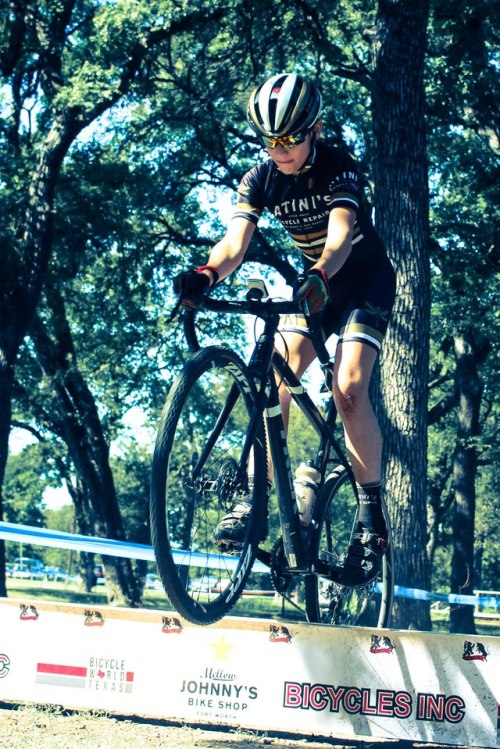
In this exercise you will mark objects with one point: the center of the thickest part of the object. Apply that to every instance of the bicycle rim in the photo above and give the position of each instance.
(326, 602)
(197, 475)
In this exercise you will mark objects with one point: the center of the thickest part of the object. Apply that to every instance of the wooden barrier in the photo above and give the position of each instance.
(265, 675)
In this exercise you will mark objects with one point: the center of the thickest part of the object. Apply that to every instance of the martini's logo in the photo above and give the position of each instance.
(277, 633)
(171, 625)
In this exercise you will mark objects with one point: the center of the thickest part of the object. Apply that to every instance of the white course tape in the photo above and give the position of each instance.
(109, 547)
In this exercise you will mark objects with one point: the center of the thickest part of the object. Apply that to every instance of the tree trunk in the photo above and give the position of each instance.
(401, 213)
(22, 278)
(23, 268)
(74, 417)
(470, 389)
(6, 378)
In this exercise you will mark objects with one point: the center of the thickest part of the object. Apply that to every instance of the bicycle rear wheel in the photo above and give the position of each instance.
(198, 473)
(327, 602)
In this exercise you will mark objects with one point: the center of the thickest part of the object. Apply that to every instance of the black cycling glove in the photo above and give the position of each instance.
(191, 284)
(312, 287)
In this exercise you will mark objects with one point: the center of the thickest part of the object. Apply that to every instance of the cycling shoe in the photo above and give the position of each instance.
(363, 560)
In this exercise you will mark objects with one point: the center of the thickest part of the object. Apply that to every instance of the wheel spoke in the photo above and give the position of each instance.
(199, 472)
(327, 601)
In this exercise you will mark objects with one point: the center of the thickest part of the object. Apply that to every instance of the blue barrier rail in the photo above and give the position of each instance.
(110, 547)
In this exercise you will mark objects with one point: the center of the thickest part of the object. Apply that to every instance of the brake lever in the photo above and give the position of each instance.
(319, 346)
(175, 311)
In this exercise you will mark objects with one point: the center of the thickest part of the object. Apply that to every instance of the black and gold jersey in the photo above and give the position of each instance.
(302, 203)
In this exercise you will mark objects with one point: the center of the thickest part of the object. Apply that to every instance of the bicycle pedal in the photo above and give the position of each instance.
(322, 568)
(229, 548)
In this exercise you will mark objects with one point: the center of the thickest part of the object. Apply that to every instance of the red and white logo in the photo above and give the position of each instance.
(381, 644)
(4, 665)
(474, 651)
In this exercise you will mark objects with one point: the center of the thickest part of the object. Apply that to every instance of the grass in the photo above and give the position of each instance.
(254, 606)
(484, 627)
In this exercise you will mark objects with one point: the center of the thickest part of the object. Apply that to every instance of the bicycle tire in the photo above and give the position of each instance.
(327, 602)
(203, 583)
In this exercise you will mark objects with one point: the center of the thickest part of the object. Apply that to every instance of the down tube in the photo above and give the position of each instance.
(293, 544)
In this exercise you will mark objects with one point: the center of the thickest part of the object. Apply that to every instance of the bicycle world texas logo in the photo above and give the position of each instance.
(99, 673)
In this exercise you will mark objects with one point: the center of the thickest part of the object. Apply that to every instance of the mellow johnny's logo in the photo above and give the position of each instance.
(383, 703)
(218, 694)
(102, 674)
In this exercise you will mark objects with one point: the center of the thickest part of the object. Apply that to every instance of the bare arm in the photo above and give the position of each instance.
(229, 252)
(338, 241)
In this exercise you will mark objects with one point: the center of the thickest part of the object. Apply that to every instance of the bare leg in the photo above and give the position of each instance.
(353, 369)
(299, 353)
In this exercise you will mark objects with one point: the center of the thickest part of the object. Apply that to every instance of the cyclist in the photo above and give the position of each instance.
(313, 190)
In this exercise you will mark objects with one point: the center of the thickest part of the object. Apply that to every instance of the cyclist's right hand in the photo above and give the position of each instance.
(190, 286)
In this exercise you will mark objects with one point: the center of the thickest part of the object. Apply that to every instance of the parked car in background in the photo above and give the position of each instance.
(26, 568)
(206, 584)
(99, 574)
(55, 574)
(153, 582)
(9, 567)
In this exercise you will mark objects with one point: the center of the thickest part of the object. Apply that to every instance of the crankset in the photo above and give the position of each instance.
(280, 577)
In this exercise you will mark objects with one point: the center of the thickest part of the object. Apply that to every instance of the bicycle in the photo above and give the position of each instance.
(220, 417)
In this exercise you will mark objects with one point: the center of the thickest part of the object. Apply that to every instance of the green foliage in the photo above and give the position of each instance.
(140, 194)
(463, 134)
(131, 471)
(28, 475)
(62, 519)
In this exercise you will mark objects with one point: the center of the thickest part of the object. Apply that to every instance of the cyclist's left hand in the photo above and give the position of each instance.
(312, 287)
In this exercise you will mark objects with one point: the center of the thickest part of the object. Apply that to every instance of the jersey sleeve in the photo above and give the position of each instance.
(249, 201)
(345, 190)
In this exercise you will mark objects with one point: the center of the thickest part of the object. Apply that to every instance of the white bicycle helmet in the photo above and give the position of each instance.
(285, 104)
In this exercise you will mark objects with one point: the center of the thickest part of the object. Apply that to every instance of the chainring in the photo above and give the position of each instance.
(280, 578)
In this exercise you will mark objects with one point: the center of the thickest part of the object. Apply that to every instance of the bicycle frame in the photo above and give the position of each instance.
(267, 366)
(266, 359)
(245, 415)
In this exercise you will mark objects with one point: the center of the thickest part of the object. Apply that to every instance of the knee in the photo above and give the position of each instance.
(349, 393)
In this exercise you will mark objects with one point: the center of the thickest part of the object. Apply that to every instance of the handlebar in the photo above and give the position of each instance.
(259, 306)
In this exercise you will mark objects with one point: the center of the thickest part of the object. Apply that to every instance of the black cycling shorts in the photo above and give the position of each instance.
(359, 307)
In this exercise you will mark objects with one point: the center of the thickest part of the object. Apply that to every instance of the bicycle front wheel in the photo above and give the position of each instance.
(327, 602)
(200, 469)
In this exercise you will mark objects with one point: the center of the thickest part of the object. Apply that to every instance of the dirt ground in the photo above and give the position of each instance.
(27, 727)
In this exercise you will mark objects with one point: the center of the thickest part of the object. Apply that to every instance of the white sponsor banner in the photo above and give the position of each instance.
(267, 675)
